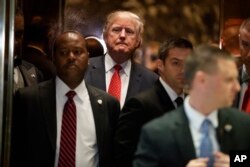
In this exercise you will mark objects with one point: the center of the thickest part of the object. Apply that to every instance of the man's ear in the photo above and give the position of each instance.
(160, 65)
(200, 77)
(139, 42)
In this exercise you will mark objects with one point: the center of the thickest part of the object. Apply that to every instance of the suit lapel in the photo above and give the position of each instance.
(183, 136)
(29, 74)
(164, 98)
(96, 73)
(48, 104)
(224, 131)
(135, 81)
(98, 104)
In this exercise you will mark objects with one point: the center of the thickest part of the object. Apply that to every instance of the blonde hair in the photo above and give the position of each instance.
(110, 18)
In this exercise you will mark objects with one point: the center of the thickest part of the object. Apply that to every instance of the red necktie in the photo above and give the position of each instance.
(115, 83)
(68, 133)
(246, 100)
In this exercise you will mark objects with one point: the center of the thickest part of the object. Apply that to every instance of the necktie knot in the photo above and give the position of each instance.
(205, 127)
(71, 94)
(117, 67)
(179, 101)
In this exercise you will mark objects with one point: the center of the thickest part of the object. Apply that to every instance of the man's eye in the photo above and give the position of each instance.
(245, 44)
(129, 31)
(116, 30)
(78, 52)
(63, 52)
(175, 63)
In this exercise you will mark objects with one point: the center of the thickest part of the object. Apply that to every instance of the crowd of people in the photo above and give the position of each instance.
(190, 109)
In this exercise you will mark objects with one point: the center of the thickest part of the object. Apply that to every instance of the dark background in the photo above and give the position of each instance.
(199, 21)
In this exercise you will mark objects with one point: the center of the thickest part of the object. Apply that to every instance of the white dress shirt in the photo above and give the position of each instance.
(172, 94)
(124, 75)
(86, 144)
(195, 119)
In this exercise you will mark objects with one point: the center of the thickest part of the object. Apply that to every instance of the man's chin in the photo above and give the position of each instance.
(122, 50)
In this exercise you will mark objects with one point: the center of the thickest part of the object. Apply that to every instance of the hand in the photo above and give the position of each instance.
(199, 162)
(221, 160)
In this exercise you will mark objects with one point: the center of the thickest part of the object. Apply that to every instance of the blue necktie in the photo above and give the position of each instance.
(206, 147)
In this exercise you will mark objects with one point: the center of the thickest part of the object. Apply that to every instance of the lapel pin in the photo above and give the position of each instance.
(33, 76)
(99, 101)
(228, 127)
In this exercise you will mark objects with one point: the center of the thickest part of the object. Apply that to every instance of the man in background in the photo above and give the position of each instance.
(115, 72)
(25, 74)
(243, 101)
(36, 48)
(166, 95)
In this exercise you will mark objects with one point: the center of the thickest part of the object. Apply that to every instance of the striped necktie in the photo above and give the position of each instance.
(68, 133)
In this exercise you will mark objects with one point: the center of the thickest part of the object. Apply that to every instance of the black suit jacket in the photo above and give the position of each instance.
(34, 125)
(167, 141)
(140, 77)
(136, 112)
(31, 75)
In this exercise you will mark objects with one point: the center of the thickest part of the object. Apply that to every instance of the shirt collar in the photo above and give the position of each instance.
(172, 94)
(110, 63)
(80, 90)
(196, 118)
(244, 76)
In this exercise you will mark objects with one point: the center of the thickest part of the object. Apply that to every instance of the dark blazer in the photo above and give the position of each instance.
(236, 102)
(31, 75)
(167, 141)
(137, 111)
(140, 77)
(35, 126)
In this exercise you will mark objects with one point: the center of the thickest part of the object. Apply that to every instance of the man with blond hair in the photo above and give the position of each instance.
(123, 35)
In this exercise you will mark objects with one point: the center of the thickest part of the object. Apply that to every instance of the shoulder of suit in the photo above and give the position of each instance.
(235, 114)
(146, 95)
(166, 121)
(144, 71)
(96, 60)
(94, 89)
(45, 84)
(27, 64)
(97, 92)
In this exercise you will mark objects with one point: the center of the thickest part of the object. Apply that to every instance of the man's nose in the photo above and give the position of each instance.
(248, 52)
(237, 86)
(123, 33)
(71, 56)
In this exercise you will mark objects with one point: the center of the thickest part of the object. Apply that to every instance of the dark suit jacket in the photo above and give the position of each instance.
(140, 77)
(136, 112)
(34, 125)
(31, 75)
(167, 141)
